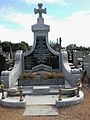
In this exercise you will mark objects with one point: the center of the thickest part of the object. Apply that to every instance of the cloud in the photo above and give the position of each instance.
(4, 10)
(25, 20)
(9, 15)
(44, 1)
(15, 36)
(74, 29)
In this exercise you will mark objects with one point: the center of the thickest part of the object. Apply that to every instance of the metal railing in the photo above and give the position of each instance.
(3, 90)
(61, 90)
(76, 89)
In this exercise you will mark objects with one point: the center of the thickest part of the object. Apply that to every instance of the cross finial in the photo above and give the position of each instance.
(40, 10)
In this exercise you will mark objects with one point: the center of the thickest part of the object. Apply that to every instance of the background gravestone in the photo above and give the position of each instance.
(2, 64)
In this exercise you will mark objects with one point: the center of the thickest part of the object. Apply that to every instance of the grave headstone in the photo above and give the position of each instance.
(86, 63)
(2, 63)
(41, 53)
(41, 56)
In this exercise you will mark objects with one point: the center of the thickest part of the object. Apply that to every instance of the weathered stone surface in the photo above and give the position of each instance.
(40, 90)
(41, 82)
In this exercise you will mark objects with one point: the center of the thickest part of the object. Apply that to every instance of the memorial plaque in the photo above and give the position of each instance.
(41, 55)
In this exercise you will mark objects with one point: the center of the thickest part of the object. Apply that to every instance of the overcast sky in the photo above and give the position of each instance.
(68, 19)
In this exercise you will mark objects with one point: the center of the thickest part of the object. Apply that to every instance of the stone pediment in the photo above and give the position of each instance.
(41, 67)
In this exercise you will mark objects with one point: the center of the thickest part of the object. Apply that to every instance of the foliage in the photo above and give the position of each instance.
(27, 76)
(5, 46)
(52, 75)
(8, 46)
(43, 75)
(54, 45)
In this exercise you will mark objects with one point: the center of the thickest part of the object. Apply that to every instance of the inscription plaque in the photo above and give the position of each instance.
(41, 55)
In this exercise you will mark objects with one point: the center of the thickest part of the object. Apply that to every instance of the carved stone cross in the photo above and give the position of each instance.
(40, 10)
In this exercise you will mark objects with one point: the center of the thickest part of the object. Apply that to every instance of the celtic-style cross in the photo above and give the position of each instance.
(40, 10)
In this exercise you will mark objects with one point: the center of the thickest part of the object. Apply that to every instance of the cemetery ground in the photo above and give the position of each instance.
(77, 112)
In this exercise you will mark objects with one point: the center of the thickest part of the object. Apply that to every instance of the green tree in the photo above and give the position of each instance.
(6, 46)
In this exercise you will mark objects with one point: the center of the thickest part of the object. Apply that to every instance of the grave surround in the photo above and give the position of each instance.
(34, 60)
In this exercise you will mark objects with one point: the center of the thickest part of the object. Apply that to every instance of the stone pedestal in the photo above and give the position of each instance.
(40, 90)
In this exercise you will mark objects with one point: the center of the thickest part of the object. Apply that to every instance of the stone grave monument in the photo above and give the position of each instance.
(86, 63)
(41, 56)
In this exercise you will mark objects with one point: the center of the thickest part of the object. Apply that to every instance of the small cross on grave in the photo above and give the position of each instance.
(40, 10)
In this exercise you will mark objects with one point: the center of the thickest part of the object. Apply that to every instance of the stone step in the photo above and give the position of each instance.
(41, 100)
(40, 110)
(40, 105)
(39, 90)
(35, 90)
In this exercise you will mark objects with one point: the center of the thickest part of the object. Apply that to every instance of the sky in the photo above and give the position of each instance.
(68, 19)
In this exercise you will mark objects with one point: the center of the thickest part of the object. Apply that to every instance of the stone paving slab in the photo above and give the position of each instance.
(40, 110)
(40, 105)
(41, 100)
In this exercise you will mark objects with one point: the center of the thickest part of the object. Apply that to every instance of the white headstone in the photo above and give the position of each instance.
(87, 64)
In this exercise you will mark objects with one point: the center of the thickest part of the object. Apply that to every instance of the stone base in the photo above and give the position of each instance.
(70, 101)
(12, 102)
(40, 82)
(40, 90)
